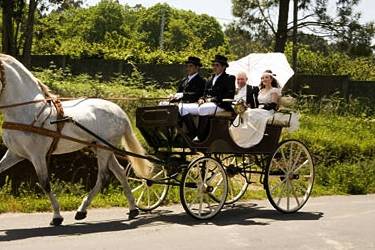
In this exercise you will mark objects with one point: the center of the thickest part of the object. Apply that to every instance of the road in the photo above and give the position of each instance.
(332, 222)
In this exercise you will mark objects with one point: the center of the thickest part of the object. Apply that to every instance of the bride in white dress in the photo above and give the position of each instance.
(252, 123)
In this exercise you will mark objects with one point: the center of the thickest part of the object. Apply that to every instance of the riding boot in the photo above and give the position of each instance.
(189, 122)
(203, 127)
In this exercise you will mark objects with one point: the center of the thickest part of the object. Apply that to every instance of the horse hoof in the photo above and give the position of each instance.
(133, 213)
(80, 215)
(56, 221)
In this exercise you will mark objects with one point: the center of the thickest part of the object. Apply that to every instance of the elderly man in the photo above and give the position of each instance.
(246, 92)
(221, 86)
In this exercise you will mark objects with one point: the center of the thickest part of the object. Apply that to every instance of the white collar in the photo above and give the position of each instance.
(191, 76)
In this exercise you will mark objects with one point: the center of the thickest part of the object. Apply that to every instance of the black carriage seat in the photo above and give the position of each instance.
(160, 126)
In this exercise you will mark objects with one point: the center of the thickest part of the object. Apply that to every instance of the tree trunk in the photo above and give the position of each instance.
(26, 55)
(7, 38)
(282, 26)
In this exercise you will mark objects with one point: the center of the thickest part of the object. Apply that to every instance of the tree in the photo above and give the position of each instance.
(18, 18)
(244, 42)
(116, 31)
(11, 19)
(258, 14)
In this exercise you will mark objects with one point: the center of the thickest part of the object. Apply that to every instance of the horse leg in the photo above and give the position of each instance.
(103, 158)
(9, 159)
(40, 165)
(119, 172)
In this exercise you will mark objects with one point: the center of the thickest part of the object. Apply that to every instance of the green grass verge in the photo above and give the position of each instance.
(343, 146)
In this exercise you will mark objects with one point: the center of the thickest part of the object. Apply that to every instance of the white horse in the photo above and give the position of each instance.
(106, 119)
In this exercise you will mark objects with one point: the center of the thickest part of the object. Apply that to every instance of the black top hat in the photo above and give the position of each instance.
(194, 60)
(221, 59)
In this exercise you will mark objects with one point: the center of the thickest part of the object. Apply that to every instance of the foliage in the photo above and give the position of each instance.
(340, 140)
(352, 178)
(342, 144)
(257, 18)
(332, 63)
(114, 31)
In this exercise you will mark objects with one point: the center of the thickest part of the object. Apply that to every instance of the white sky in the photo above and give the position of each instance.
(221, 9)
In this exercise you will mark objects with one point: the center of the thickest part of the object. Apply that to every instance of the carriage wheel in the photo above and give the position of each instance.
(203, 188)
(147, 194)
(289, 176)
(237, 177)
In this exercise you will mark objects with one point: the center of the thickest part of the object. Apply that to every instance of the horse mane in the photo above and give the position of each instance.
(2, 71)
(45, 89)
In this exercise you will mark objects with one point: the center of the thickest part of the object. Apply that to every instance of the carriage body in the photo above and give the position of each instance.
(162, 129)
(285, 168)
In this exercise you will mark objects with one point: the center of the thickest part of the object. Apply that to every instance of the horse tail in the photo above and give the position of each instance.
(142, 167)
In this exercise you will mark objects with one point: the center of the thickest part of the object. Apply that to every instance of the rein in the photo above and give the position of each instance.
(74, 98)
(24, 103)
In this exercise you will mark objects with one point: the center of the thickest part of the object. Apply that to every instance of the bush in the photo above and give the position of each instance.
(356, 178)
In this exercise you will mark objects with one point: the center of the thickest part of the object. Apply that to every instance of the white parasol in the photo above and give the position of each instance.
(256, 63)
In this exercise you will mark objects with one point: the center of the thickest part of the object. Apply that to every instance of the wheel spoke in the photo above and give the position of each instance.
(281, 192)
(140, 197)
(294, 194)
(193, 202)
(297, 159)
(288, 196)
(230, 187)
(158, 174)
(290, 157)
(134, 179)
(148, 197)
(156, 194)
(200, 202)
(278, 166)
(135, 189)
(284, 159)
(300, 166)
(279, 184)
(217, 185)
(208, 203)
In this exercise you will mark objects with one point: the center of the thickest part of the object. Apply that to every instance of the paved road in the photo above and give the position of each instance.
(335, 222)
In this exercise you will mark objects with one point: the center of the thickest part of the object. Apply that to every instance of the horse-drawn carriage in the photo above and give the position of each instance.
(217, 171)
(210, 174)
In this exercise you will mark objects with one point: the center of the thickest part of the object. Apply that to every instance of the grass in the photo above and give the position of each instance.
(340, 137)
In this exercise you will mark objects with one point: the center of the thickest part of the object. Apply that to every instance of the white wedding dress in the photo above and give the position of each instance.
(248, 130)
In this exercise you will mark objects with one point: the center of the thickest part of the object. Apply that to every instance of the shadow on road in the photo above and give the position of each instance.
(244, 214)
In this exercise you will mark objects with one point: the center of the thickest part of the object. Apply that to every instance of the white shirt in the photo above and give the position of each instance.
(241, 93)
(215, 78)
(192, 76)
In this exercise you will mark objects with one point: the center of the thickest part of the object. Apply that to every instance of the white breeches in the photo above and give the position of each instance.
(208, 108)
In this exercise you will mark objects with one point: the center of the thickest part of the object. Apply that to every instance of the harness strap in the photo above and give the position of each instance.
(59, 126)
(54, 134)
(48, 133)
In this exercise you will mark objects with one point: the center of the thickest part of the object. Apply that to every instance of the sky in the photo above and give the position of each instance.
(221, 9)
